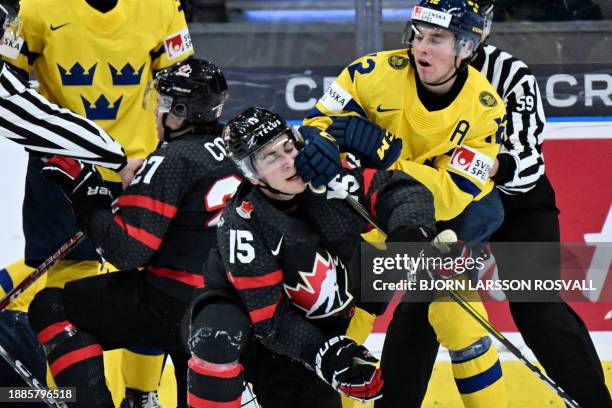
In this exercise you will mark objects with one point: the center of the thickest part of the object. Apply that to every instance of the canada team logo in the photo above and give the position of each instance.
(322, 291)
(245, 210)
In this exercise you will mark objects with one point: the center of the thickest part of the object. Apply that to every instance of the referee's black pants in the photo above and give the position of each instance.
(552, 330)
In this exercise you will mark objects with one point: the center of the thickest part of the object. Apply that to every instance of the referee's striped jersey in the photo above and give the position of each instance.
(40, 126)
(521, 162)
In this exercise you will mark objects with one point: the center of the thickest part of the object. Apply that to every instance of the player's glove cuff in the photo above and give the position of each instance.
(378, 147)
(82, 184)
(349, 368)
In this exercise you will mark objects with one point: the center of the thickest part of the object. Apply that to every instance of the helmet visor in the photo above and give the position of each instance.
(272, 156)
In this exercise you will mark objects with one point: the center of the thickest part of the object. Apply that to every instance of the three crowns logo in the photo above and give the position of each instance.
(126, 75)
(76, 75)
(100, 109)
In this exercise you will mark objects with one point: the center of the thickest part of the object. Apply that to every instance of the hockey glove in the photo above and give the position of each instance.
(319, 160)
(82, 184)
(378, 147)
(349, 368)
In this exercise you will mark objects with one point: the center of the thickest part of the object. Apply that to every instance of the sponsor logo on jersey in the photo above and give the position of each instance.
(245, 210)
(472, 163)
(323, 291)
(178, 44)
(380, 109)
(431, 16)
(10, 47)
(398, 62)
(487, 99)
(335, 98)
(57, 27)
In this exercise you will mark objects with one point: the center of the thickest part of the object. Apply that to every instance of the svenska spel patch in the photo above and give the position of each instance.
(431, 16)
(10, 48)
(472, 163)
(178, 44)
(335, 98)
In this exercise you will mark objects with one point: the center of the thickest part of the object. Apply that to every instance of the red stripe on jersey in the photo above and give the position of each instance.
(368, 176)
(215, 370)
(151, 204)
(197, 402)
(138, 234)
(74, 357)
(255, 282)
(53, 330)
(264, 313)
(373, 204)
(191, 279)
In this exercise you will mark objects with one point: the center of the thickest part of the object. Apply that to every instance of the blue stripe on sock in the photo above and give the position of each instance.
(6, 282)
(479, 381)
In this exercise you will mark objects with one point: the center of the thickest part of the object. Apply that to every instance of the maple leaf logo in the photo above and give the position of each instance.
(323, 290)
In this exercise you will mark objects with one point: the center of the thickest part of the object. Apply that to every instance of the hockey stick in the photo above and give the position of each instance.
(27, 376)
(42, 269)
(465, 305)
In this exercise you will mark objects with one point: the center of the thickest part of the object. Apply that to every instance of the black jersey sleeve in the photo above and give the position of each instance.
(257, 277)
(131, 233)
(394, 198)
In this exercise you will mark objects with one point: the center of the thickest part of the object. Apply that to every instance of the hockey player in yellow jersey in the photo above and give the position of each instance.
(425, 111)
(95, 57)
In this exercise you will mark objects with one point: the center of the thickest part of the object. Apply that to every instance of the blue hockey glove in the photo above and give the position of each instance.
(378, 147)
(319, 160)
(82, 184)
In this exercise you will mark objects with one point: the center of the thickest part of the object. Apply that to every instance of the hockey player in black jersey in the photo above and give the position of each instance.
(280, 293)
(164, 222)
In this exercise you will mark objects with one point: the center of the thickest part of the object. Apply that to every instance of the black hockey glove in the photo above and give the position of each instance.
(376, 146)
(319, 160)
(349, 368)
(82, 184)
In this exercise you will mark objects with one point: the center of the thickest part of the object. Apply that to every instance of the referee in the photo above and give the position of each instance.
(552, 330)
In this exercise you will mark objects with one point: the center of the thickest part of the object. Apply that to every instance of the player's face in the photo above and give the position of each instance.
(275, 164)
(434, 53)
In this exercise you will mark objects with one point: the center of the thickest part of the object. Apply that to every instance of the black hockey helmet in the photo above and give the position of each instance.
(193, 89)
(10, 22)
(247, 133)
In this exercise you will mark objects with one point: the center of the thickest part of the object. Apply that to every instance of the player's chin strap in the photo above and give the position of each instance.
(271, 189)
(169, 133)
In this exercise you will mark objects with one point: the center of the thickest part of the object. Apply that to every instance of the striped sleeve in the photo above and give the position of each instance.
(30, 120)
(131, 234)
(521, 160)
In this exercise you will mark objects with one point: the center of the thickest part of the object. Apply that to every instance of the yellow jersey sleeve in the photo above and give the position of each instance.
(176, 45)
(341, 97)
